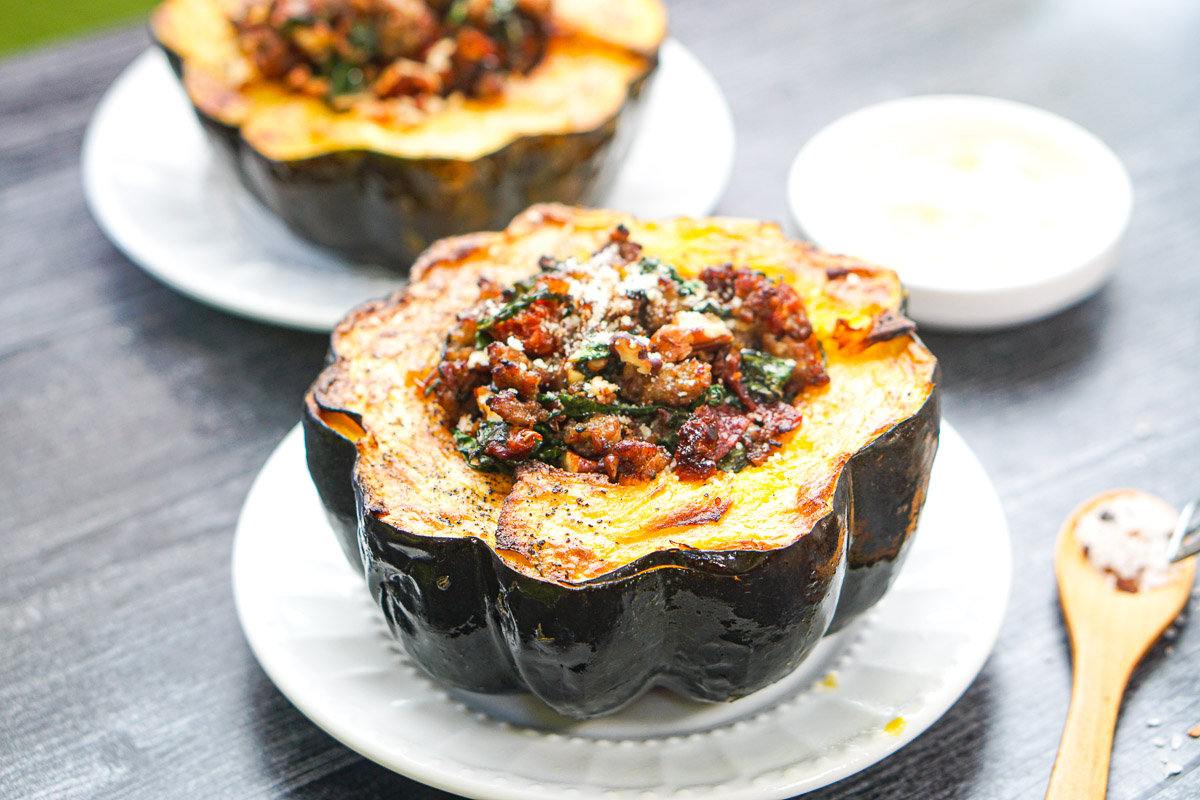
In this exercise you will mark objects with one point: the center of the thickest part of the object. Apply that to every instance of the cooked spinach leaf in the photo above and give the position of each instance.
(298, 21)
(686, 287)
(648, 265)
(524, 285)
(735, 460)
(594, 346)
(766, 375)
(364, 38)
(502, 8)
(473, 448)
(576, 407)
(551, 455)
(457, 14)
(718, 395)
(713, 306)
(345, 77)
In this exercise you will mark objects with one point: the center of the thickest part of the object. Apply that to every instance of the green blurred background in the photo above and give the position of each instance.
(29, 23)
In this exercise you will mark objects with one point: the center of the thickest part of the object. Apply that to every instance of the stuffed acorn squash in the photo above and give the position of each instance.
(374, 127)
(588, 454)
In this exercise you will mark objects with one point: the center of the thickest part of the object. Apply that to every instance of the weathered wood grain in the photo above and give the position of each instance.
(134, 419)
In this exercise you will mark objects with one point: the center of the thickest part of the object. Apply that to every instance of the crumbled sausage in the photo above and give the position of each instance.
(635, 460)
(636, 352)
(518, 445)
(688, 331)
(384, 49)
(768, 423)
(679, 384)
(531, 327)
(453, 385)
(727, 367)
(511, 369)
(515, 411)
(621, 363)
(593, 437)
(810, 361)
(657, 308)
(705, 438)
(404, 28)
(627, 250)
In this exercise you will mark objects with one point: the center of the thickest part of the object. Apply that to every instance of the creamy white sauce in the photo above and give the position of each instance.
(964, 203)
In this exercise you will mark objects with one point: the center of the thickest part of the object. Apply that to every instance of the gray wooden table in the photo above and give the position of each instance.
(133, 420)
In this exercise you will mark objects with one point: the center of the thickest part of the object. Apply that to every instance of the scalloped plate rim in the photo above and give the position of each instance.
(440, 770)
(248, 240)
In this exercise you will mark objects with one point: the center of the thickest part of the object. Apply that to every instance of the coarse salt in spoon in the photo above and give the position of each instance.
(1111, 627)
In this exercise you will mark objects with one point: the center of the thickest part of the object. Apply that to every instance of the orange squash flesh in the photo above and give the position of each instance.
(573, 529)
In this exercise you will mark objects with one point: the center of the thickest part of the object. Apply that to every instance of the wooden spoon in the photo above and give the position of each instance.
(1110, 631)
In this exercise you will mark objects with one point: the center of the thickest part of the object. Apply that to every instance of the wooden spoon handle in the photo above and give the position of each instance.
(1081, 769)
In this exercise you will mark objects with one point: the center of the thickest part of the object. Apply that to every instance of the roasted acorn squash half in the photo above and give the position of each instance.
(584, 591)
(383, 191)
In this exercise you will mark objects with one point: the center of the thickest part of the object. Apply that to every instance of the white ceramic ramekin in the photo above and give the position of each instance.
(994, 213)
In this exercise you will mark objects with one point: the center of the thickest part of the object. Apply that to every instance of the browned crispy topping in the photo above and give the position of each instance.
(699, 513)
(884, 326)
(889, 325)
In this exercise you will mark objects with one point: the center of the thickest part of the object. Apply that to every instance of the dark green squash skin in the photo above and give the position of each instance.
(374, 207)
(890, 479)
(711, 626)
(438, 596)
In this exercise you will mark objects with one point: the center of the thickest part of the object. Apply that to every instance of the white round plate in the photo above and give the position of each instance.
(994, 213)
(157, 193)
(860, 696)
